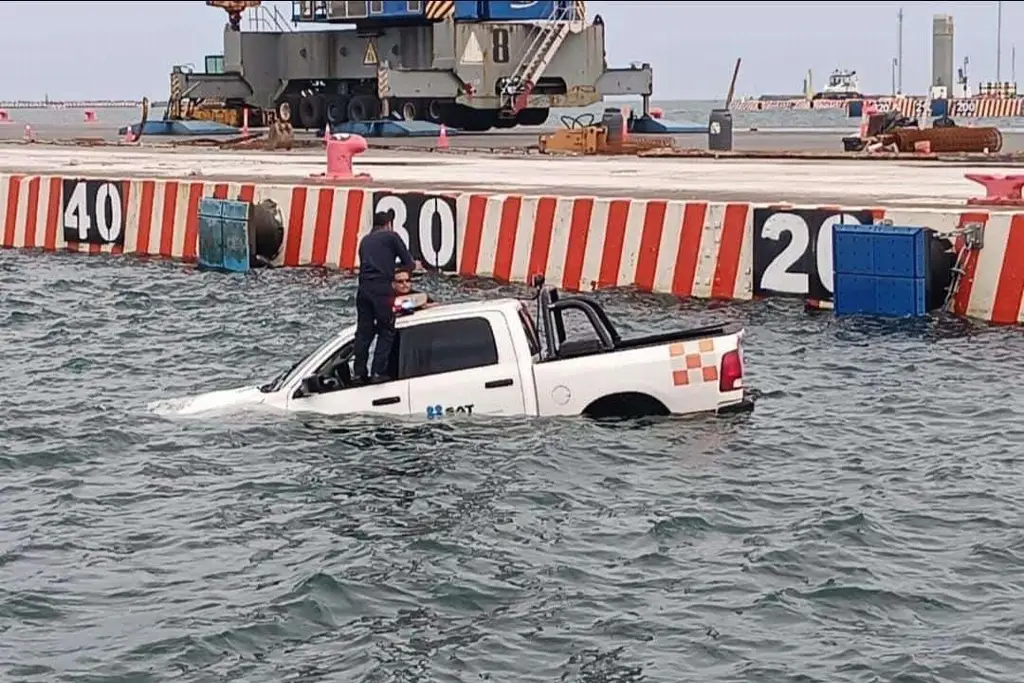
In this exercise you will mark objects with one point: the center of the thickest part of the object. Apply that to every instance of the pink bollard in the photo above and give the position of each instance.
(657, 112)
(4, 116)
(90, 116)
(340, 150)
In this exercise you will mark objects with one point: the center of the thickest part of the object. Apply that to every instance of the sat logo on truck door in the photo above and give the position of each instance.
(437, 411)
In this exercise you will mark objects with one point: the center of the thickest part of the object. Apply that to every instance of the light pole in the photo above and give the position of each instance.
(899, 50)
(999, 42)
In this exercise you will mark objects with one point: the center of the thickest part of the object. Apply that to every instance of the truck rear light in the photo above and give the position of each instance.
(731, 376)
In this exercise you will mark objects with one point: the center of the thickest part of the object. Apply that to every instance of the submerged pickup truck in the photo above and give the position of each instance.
(494, 358)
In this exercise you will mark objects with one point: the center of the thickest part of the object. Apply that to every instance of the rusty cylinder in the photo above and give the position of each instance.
(949, 140)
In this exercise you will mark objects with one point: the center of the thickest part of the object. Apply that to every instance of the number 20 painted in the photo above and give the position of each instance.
(778, 276)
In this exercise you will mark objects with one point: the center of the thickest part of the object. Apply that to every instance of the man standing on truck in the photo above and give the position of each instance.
(375, 313)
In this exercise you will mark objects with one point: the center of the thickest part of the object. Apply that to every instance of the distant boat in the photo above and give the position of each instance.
(842, 85)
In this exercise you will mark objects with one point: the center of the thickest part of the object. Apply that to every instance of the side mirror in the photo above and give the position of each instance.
(310, 385)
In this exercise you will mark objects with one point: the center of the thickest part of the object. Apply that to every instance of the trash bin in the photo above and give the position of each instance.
(720, 130)
(612, 120)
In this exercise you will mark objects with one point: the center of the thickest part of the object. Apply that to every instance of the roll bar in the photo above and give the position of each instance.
(550, 309)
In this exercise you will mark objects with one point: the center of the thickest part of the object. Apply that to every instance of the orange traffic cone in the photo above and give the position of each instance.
(442, 139)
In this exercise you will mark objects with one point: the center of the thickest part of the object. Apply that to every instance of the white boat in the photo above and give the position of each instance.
(842, 85)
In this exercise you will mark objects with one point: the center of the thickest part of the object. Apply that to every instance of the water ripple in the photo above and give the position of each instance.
(864, 524)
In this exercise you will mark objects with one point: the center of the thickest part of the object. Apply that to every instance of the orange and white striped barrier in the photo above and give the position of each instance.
(685, 248)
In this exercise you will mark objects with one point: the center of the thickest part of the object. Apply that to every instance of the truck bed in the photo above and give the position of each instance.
(589, 347)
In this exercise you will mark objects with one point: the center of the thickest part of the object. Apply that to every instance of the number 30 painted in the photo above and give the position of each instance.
(777, 276)
(432, 256)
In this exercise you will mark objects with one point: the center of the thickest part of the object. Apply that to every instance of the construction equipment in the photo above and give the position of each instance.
(469, 65)
(543, 46)
(583, 135)
(893, 132)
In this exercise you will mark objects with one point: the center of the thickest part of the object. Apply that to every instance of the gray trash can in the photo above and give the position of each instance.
(720, 130)
(612, 120)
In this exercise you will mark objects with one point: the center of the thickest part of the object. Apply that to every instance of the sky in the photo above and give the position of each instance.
(111, 50)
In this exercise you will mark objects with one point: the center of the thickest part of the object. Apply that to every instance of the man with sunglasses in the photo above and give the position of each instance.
(408, 299)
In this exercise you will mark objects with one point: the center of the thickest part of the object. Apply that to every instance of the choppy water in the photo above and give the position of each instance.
(864, 524)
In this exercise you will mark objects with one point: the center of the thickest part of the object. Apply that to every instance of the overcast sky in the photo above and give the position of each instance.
(86, 49)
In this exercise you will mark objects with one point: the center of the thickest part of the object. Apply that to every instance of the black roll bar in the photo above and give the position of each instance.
(550, 309)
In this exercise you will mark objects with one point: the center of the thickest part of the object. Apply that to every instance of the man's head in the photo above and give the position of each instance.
(382, 220)
(402, 284)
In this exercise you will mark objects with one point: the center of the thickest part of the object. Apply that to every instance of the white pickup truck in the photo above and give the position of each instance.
(493, 358)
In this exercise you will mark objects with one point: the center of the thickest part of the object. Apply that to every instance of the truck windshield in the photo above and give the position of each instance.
(286, 376)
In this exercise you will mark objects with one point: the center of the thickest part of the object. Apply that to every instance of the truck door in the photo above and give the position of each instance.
(390, 398)
(461, 366)
(338, 397)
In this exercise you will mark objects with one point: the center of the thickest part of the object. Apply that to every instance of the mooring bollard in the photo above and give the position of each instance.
(340, 150)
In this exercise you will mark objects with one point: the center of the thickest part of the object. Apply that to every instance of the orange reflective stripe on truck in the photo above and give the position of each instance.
(693, 362)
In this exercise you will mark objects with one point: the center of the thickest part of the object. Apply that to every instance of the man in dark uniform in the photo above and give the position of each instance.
(375, 296)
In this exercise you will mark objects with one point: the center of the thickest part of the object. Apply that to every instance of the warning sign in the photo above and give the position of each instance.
(473, 54)
(370, 56)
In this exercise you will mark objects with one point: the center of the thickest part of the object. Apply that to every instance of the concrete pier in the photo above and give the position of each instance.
(852, 183)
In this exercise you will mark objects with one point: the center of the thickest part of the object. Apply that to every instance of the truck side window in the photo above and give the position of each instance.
(531, 332)
(446, 346)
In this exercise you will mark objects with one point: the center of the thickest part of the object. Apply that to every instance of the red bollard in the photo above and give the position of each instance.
(657, 112)
(999, 190)
(90, 116)
(340, 150)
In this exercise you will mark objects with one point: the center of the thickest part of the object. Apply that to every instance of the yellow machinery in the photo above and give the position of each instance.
(583, 135)
(181, 107)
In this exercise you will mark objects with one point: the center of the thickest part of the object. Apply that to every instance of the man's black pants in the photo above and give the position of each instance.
(374, 315)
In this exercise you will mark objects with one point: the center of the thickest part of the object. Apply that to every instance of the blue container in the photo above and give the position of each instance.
(940, 108)
(224, 235)
(880, 270)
